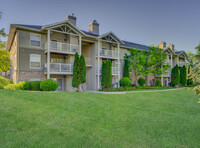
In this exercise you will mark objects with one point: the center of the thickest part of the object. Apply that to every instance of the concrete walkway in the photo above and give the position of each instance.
(125, 92)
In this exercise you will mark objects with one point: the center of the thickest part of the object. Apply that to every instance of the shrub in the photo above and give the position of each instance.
(141, 81)
(4, 81)
(158, 83)
(22, 86)
(1, 86)
(49, 85)
(106, 74)
(125, 82)
(35, 85)
(175, 76)
(10, 86)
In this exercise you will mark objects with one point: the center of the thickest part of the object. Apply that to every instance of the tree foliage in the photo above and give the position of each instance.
(82, 69)
(4, 60)
(183, 75)
(126, 68)
(76, 72)
(106, 74)
(175, 76)
(158, 59)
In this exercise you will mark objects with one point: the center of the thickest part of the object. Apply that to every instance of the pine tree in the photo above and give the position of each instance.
(76, 72)
(106, 74)
(109, 73)
(183, 75)
(103, 74)
(82, 70)
(175, 76)
(126, 68)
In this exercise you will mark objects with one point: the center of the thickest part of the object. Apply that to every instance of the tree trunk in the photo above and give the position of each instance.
(6, 74)
(146, 77)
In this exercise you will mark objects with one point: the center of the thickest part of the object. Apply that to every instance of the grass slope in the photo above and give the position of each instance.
(61, 119)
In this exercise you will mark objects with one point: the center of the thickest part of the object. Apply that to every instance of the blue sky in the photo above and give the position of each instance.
(141, 21)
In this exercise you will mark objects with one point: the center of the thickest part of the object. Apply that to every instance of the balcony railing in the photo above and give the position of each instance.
(61, 68)
(168, 62)
(113, 69)
(63, 47)
(181, 64)
(108, 53)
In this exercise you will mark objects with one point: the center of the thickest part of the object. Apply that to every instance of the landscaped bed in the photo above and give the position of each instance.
(64, 119)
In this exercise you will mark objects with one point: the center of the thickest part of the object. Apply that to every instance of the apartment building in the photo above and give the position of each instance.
(43, 52)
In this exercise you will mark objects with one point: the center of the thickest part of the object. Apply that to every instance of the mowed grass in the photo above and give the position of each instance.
(64, 119)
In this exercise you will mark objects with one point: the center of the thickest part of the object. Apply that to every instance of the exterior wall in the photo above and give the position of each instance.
(26, 75)
(14, 59)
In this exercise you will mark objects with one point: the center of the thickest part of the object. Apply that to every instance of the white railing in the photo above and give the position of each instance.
(181, 64)
(113, 69)
(88, 61)
(63, 47)
(109, 53)
(61, 67)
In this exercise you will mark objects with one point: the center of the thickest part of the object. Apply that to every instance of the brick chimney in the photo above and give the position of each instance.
(71, 19)
(162, 45)
(94, 27)
(171, 46)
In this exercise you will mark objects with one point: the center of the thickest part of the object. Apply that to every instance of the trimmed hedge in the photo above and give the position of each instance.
(49, 85)
(141, 81)
(35, 85)
(125, 82)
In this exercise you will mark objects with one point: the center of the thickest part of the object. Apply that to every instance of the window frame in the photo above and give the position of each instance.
(38, 55)
(33, 40)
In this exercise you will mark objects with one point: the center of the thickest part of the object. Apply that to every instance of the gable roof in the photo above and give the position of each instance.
(112, 34)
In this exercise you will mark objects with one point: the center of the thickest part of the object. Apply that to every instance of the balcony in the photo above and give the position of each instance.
(180, 64)
(112, 54)
(60, 68)
(113, 69)
(61, 47)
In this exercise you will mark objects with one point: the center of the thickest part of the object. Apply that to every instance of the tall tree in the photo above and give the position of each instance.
(82, 69)
(147, 63)
(106, 74)
(158, 59)
(126, 68)
(135, 63)
(183, 75)
(76, 72)
(175, 76)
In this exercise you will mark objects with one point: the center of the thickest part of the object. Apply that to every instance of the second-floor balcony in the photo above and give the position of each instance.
(60, 68)
(108, 53)
(61, 47)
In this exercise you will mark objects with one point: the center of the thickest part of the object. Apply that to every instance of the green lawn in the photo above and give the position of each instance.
(61, 119)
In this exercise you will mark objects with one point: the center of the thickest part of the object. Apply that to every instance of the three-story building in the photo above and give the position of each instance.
(43, 52)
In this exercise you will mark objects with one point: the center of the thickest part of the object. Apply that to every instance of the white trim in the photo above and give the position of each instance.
(36, 55)
(35, 35)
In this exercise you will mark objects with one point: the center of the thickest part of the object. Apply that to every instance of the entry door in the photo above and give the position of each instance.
(60, 84)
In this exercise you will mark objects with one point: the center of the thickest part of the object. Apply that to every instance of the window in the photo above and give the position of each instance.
(34, 79)
(35, 40)
(35, 61)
